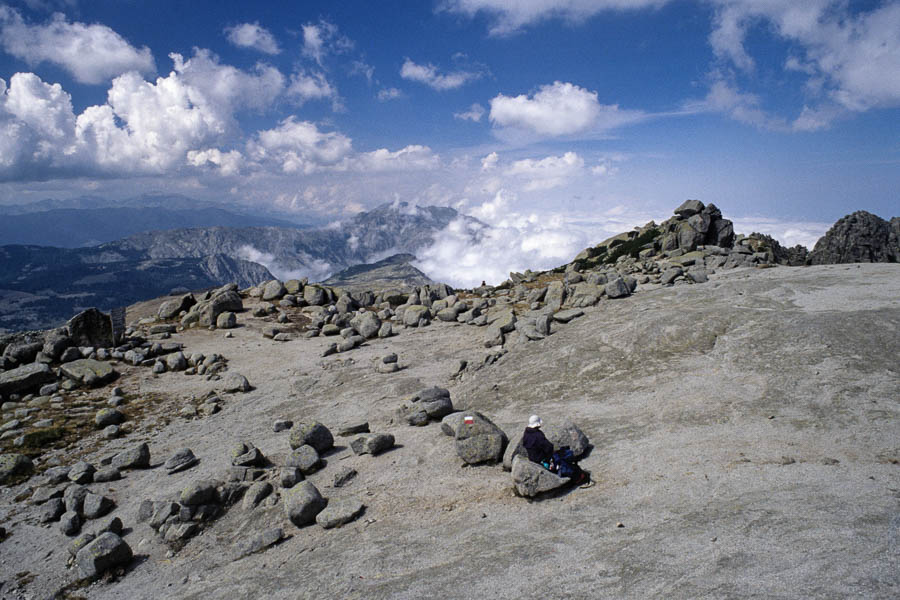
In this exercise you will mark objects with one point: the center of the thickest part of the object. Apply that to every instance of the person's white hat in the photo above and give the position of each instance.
(535, 421)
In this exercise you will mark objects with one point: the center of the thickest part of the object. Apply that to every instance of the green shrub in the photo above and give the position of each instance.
(633, 247)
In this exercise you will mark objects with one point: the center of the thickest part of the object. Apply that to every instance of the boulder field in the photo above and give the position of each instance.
(742, 434)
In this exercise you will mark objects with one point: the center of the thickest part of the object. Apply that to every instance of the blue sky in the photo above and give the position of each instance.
(556, 120)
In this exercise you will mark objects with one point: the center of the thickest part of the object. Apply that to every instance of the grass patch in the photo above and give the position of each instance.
(39, 438)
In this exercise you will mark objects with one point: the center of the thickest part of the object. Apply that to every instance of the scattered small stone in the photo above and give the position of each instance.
(247, 455)
(373, 444)
(290, 476)
(344, 476)
(107, 474)
(111, 432)
(113, 525)
(339, 513)
(70, 523)
(199, 492)
(183, 459)
(137, 457)
(97, 505)
(259, 542)
(256, 493)
(348, 430)
(52, 510)
(282, 425)
(82, 472)
(235, 382)
(108, 416)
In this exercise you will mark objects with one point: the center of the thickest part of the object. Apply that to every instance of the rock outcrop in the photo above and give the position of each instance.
(859, 237)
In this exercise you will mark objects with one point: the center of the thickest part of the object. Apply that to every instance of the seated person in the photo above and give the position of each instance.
(540, 450)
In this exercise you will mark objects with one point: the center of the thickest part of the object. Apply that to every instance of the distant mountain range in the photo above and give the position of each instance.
(77, 227)
(42, 285)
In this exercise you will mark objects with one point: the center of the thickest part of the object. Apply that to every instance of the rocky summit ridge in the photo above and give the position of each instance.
(293, 439)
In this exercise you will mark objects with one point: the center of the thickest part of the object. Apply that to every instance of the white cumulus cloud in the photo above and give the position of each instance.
(464, 254)
(299, 147)
(559, 109)
(252, 35)
(323, 38)
(546, 173)
(143, 128)
(851, 60)
(428, 74)
(313, 86)
(91, 53)
(509, 16)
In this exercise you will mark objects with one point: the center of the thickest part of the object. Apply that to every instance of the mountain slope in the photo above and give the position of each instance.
(393, 272)
(51, 284)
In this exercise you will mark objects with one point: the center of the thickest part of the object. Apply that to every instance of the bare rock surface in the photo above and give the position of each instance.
(744, 435)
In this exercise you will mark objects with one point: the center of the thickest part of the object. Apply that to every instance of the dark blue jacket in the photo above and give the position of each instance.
(538, 446)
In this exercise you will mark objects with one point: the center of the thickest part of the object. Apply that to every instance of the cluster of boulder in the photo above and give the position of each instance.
(478, 440)
(65, 495)
(253, 481)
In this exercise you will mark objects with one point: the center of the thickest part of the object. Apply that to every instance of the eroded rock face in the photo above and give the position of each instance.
(91, 328)
(859, 237)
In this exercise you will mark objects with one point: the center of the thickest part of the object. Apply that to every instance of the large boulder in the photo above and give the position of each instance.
(531, 479)
(25, 378)
(89, 372)
(555, 295)
(137, 457)
(689, 208)
(416, 313)
(503, 323)
(366, 324)
(274, 290)
(567, 434)
(23, 353)
(429, 404)
(91, 328)
(170, 309)
(315, 295)
(56, 342)
(302, 503)
(312, 433)
(304, 458)
(106, 552)
(206, 312)
(513, 449)
(14, 464)
(479, 440)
